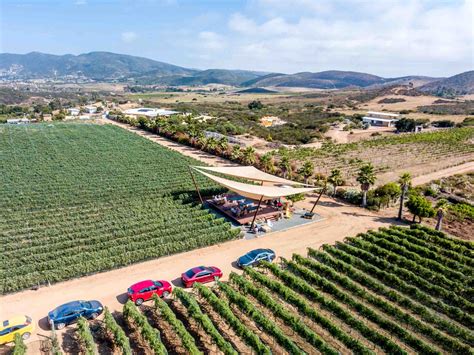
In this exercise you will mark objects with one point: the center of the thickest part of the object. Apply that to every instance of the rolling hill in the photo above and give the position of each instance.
(94, 66)
(459, 84)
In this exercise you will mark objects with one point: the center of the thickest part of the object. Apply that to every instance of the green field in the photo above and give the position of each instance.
(79, 198)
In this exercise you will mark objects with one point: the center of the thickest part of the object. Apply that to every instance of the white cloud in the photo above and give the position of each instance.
(80, 2)
(393, 37)
(128, 37)
(210, 40)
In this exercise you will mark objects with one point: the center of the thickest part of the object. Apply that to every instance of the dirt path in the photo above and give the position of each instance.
(459, 169)
(183, 149)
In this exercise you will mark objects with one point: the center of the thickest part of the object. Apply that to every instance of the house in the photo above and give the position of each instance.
(380, 119)
(73, 111)
(149, 112)
(271, 121)
(90, 109)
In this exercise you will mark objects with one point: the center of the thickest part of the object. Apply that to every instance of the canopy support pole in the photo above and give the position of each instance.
(195, 185)
(317, 200)
(256, 211)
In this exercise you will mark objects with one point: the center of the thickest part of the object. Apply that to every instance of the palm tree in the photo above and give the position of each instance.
(307, 170)
(285, 166)
(222, 145)
(212, 145)
(266, 163)
(442, 207)
(366, 177)
(248, 156)
(335, 179)
(236, 154)
(405, 181)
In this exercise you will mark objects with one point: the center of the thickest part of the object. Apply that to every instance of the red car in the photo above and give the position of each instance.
(144, 290)
(201, 274)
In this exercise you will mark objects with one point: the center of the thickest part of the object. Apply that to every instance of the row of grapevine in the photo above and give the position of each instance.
(424, 312)
(194, 310)
(85, 337)
(288, 317)
(169, 316)
(119, 337)
(151, 335)
(384, 306)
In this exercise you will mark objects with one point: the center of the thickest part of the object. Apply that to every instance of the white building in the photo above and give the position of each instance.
(381, 119)
(149, 112)
(73, 111)
(90, 109)
(18, 120)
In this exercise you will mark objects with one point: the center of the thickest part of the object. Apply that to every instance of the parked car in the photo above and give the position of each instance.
(144, 290)
(22, 325)
(253, 257)
(200, 274)
(70, 312)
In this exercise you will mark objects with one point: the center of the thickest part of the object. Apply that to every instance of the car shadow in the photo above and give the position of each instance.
(122, 298)
(177, 282)
(235, 266)
(43, 323)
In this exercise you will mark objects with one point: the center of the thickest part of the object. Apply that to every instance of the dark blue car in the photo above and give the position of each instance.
(70, 312)
(253, 257)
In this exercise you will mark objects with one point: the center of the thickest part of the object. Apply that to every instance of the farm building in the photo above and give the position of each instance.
(73, 111)
(382, 119)
(90, 109)
(149, 112)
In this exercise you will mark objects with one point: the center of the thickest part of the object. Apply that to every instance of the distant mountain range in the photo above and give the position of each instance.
(109, 67)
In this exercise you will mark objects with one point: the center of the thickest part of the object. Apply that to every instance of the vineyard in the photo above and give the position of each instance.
(396, 290)
(390, 153)
(80, 198)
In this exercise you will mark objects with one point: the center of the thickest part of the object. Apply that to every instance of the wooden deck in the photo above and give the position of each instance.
(264, 211)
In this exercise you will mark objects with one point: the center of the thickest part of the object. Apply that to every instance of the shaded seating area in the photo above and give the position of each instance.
(242, 210)
(260, 200)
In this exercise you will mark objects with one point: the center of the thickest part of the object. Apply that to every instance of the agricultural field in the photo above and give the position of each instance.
(417, 153)
(396, 290)
(81, 198)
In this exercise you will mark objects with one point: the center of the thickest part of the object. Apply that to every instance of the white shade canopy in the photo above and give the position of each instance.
(249, 173)
(257, 192)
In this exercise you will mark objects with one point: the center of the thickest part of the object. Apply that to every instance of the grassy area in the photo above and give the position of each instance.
(81, 198)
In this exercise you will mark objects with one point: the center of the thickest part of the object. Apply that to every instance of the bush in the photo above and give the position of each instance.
(20, 347)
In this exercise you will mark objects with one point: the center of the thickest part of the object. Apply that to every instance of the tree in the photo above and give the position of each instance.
(335, 179)
(420, 207)
(366, 177)
(389, 192)
(223, 145)
(405, 125)
(442, 207)
(248, 156)
(285, 166)
(307, 170)
(405, 181)
(236, 154)
(255, 105)
(266, 163)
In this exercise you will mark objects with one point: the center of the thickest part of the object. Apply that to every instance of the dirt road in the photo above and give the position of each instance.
(459, 169)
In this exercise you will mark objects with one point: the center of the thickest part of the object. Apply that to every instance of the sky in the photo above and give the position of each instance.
(384, 37)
